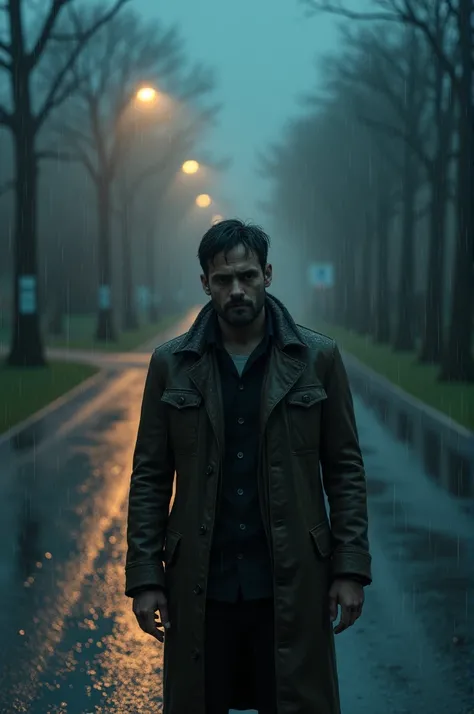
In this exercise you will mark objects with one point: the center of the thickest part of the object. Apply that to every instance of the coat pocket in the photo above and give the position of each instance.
(170, 550)
(183, 413)
(322, 539)
(304, 417)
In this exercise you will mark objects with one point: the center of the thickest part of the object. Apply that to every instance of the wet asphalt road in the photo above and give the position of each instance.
(69, 642)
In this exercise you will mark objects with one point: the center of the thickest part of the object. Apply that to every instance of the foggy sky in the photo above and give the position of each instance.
(263, 52)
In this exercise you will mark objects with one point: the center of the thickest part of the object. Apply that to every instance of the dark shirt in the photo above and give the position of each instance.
(240, 563)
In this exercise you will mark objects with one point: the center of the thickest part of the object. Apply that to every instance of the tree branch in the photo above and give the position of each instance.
(406, 15)
(395, 133)
(79, 155)
(328, 6)
(52, 99)
(55, 155)
(45, 34)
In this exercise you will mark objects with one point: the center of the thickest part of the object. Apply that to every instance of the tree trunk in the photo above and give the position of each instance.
(404, 338)
(340, 292)
(365, 321)
(432, 337)
(27, 347)
(350, 304)
(405, 326)
(457, 363)
(153, 307)
(105, 323)
(382, 329)
(433, 327)
(129, 314)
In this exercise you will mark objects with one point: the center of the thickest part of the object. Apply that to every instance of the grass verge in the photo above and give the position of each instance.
(79, 335)
(26, 391)
(452, 398)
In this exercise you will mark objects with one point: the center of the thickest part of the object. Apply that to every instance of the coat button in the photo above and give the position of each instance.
(197, 590)
(306, 398)
(203, 529)
(195, 654)
(181, 400)
(209, 470)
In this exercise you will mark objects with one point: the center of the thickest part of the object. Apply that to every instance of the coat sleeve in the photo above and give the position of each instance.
(150, 489)
(344, 476)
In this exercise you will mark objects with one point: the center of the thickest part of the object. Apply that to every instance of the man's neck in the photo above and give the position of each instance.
(243, 340)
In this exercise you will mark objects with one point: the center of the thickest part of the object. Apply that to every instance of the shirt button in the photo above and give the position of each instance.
(243, 526)
(240, 455)
(240, 420)
(241, 387)
(240, 556)
(240, 491)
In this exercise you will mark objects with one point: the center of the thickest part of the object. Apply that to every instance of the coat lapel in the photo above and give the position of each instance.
(204, 375)
(283, 370)
(282, 374)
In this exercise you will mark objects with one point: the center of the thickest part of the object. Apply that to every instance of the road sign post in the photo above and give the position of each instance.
(321, 278)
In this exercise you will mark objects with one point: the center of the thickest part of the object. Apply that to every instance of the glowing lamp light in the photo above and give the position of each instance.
(203, 200)
(147, 94)
(190, 167)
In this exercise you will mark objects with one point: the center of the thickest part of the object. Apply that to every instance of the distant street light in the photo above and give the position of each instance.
(217, 219)
(203, 200)
(190, 167)
(147, 94)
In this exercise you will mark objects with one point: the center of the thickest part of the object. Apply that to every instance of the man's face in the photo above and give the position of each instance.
(237, 286)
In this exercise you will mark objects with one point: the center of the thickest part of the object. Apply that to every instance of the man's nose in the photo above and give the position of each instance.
(236, 291)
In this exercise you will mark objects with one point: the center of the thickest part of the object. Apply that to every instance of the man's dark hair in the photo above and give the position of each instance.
(226, 235)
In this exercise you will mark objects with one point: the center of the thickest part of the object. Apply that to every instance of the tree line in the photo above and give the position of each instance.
(377, 176)
(70, 76)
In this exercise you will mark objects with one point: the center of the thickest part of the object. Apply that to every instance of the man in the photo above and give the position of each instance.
(246, 571)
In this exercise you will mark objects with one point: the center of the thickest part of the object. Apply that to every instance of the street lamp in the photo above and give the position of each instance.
(203, 200)
(146, 94)
(190, 167)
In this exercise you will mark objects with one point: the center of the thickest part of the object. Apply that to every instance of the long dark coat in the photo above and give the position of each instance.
(307, 421)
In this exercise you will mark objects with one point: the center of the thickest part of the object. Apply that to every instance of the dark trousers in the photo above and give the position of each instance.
(233, 630)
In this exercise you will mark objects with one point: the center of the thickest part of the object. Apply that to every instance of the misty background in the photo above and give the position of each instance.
(345, 134)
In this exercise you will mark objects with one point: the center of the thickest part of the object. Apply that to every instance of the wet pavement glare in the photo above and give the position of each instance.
(70, 643)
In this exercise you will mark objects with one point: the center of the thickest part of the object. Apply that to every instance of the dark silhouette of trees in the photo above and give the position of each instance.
(35, 96)
(107, 121)
(445, 27)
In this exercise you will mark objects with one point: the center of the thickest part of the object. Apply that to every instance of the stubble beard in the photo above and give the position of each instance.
(244, 318)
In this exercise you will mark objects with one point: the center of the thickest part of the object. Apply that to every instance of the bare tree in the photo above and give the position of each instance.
(20, 59)
(457, 360)
(107, 118)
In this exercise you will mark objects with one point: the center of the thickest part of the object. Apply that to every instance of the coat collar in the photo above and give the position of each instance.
(284, 328)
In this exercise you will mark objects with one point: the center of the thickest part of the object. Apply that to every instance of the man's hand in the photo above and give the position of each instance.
(145, 607)
(350, 596)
